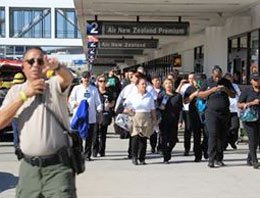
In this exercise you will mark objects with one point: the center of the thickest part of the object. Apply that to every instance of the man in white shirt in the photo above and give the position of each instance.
(86, 91)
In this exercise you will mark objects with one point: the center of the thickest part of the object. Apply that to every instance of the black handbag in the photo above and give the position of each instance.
(107, 118)
(74, 146)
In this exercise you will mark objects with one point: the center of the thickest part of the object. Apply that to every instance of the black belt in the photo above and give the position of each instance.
(42, 161)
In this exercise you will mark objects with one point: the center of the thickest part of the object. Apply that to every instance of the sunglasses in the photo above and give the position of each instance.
(101, 81)
(39, 61)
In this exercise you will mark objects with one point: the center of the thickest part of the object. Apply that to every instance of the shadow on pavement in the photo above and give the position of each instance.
(7, 181)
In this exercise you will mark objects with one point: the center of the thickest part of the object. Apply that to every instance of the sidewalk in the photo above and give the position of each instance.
(114, 176)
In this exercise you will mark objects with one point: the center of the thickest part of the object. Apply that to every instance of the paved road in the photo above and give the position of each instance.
(115, 177)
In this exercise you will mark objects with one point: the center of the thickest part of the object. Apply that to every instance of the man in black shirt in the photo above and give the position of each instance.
(217, 90)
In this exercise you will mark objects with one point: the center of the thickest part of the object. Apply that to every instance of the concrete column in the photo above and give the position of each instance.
(216, 47)
(187, 61)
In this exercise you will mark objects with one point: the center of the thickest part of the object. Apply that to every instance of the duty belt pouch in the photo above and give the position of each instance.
(76, 152)
(72, 154)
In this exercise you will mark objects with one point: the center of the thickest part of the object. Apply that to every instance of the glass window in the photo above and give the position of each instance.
(254, 51)
(243, 42)
(30, 23)
(198, 59)
(66, 24)
(2, 22)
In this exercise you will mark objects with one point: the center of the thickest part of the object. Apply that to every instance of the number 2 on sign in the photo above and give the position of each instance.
(94, 29)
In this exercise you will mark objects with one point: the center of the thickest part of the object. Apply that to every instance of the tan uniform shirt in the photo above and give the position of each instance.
(40, 134)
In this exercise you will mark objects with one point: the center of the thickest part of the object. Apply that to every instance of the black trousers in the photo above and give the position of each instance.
(100, 140)
(187, 130)
(130, 147)
(204, 144)
(217, 126)
(139, 145)
(232, 135)
(90, 140)
(192, 124)
(253, 132)
(169, 132)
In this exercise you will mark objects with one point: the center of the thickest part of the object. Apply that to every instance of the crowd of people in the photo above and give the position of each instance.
(209, 107)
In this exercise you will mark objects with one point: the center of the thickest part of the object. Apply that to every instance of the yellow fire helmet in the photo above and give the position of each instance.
(18, 78)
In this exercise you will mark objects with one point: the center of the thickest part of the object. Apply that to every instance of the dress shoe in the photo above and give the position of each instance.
(102, 154)
(211, 164)
(220, 163)
(197, 160)
(134, 161)
(256, 165)
(129, 156)
(88, 159)
(233, 145)
(205, 155)
(186, 153)
(142, 163)
(153, 150)
(249, 162)
(165, 161)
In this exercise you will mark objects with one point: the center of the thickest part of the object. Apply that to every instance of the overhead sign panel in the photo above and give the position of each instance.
(138, 28)
(120, 51)
(128, 43)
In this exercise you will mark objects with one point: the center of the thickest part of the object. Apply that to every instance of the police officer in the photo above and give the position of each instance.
(42, 173)
(217, 91)
(250, 98)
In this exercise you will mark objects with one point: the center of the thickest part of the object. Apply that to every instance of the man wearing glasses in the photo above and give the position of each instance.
(90, 93)
(42, 173)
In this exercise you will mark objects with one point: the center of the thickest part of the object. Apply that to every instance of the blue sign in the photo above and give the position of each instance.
(92, 51)
(93, 28)
(92, 45)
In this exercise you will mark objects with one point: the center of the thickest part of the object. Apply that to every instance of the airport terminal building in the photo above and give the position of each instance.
(159, 35)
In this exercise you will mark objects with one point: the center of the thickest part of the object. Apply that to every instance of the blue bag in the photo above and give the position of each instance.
(249, 115)
(201, 105)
